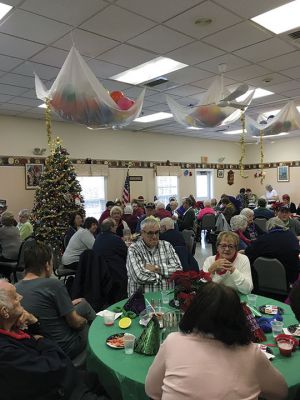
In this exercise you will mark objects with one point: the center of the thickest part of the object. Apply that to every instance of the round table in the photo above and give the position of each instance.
(123, 376)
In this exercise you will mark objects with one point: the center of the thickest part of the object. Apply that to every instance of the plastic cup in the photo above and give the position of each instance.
(285, 347)
(276, 327)
(108, 318)
(251, 299)
(129, 340)
(165, 297)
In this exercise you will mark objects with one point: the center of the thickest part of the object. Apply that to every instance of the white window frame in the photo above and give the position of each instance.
(211, 186)
(156, 188)
(95, 214)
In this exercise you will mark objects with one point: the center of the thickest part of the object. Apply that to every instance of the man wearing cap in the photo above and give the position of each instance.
(106, 213)
(283, 213)
(150, 261)
(150, 211)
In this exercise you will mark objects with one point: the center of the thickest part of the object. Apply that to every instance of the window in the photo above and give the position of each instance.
(167, 186)
(204, 185)
(93, 191)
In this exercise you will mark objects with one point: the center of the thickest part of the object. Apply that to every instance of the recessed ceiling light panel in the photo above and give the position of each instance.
(154, 117)
(4, 9)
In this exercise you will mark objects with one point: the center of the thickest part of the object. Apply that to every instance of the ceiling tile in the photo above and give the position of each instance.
(194, 53)
(111, 85)
(7, 63)
(17, 80)
(16, 47)
(4, 98)
(161, 40)
(284, 87)
(292, 72)
(117, 23)
(282, 62)
(248, 72)
(187, 75)
(51, 56)
(292, 93)
(103, 69)
(13, 90)
(231, 61)
(25, 101)
(43, 71)
(134, 91)
(156, 9)
(220, 17)
(238, 36)
(251, 8)
(184, 90)
(160, 98)
(205, 83)
(30, 94)
(87, 43)
(13, 107)
(264, 50)
(45, 30)
(267, 80)
(127, 56)
(72, 12)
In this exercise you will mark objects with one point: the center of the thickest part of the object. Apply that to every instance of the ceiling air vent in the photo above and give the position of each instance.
(156, 82)
(294, 35)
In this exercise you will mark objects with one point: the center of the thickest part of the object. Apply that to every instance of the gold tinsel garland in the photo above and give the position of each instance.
(48, 125)
(243, 149)
(261, 146)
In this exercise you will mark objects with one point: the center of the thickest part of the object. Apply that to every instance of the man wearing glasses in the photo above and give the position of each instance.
(151, 261)
(228, 266)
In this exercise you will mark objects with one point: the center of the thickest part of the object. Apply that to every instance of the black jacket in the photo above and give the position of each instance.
(174, 237)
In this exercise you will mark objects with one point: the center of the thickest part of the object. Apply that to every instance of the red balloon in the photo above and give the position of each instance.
(125, 103)
(116, 95)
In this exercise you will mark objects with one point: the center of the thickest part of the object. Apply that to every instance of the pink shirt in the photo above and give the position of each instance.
(194, 367)
(205, 210)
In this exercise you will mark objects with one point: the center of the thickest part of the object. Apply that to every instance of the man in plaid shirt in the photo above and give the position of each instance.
(151, 261)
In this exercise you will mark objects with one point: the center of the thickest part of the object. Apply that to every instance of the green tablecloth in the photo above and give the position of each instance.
(123, 376)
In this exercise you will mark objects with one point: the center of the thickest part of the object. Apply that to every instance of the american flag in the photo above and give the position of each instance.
(126, 190)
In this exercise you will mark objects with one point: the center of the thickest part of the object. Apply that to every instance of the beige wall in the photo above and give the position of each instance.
(20, 136)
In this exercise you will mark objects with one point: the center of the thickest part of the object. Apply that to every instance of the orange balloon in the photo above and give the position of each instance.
(116, 96)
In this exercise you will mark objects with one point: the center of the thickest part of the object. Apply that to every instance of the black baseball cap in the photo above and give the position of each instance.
(150, 205)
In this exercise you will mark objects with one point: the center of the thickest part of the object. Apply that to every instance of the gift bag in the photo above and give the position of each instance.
(257, 333)
(136, 302)
(149, 341)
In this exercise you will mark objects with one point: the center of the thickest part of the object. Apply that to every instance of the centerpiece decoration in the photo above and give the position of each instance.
(187, 285)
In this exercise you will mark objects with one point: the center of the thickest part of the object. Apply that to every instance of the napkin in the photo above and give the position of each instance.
(101, 313)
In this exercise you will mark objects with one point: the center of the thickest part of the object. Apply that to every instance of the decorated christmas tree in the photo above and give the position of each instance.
(57, 198)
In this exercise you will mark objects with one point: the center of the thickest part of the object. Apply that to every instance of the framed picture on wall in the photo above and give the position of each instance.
(220, 173)
(283, 173)
(33, 174)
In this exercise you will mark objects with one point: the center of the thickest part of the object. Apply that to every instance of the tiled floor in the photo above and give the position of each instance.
(203, 250)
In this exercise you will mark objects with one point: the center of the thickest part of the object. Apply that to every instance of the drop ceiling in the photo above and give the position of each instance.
(119, 34)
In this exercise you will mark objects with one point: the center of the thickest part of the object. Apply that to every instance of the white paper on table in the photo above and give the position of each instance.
(101, 313)
(296, 333)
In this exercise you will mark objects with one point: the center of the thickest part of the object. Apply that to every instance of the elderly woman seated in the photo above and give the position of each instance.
(24, 225)
(228, 266)
(10, 240)
(116, 213)
(280, 243)
(238, 224)
(212, 356)
(252, 231)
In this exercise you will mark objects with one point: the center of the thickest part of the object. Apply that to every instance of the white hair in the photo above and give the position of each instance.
(247, 212)
(238, 222)
(159, 205)
(150, 221)
(4, 299)
(24, 213)
(167, 222)
(207, 203)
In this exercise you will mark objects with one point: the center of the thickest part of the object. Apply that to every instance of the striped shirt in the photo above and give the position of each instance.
(163, 256)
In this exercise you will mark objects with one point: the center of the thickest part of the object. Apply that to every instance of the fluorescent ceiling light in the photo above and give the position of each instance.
(236, 132)
(194, 127)
(44, 105)
(149, 70)
(154, 117)
(258, 93)
(280, 19)
(4, 9)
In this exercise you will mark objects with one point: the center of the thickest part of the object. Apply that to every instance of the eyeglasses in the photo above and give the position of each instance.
(227, 246)
(150, 233)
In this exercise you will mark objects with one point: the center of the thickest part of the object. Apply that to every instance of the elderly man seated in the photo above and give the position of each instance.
(150, 261)
(32, 367)
(170, 234)
(228, 266)
(62, 320)
(283, 212)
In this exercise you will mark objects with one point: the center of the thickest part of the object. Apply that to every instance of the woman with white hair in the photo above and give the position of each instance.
(252, 231)
(116, 213)
(10, 240)
(238, 224)
(280, 243)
